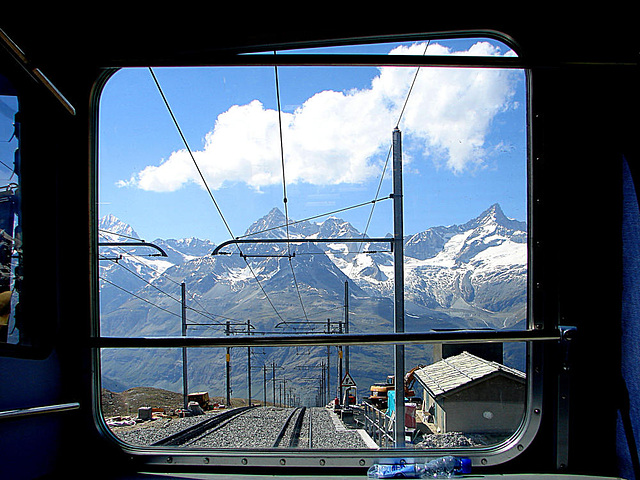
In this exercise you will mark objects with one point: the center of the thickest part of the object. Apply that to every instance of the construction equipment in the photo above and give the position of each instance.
(380, 391)
(409, 380)
(202, 398)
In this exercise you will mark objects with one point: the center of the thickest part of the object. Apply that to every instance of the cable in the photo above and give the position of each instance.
(206, 314)
(184, 140)
(163, 274)
(284, 192)
(206, 185)
(139, 297)
(406, 101)
(316, 216)
(119, 234)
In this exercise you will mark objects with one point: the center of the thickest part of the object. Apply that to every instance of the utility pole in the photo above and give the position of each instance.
(273, 381)
(346, 325)
(398, 262)
(283, 392)
(323, 383)
(340, 369)
(228, 368)
(185, 386)
(264, 385)
(249, 364)
(328, 362)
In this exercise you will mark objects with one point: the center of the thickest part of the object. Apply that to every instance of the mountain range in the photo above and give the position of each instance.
(472, 275)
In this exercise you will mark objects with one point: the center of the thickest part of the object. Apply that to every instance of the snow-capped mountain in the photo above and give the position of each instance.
(477, 268)
(472, 275)
(112, 229)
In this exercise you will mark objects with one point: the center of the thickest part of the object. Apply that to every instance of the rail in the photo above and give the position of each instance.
(296, 429)
(188, 434)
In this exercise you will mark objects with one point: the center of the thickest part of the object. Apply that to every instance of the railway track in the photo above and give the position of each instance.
(292, 429)
(278, 428)
(188, 434)
(262, 428)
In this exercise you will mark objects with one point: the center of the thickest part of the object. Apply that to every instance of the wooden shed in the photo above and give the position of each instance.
(465, 393)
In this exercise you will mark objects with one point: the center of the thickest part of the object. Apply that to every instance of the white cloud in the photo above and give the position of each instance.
(343, 137)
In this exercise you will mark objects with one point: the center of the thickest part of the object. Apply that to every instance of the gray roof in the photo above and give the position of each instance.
(453, 372)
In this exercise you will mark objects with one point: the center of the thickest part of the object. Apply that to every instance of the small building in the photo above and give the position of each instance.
(468, 394)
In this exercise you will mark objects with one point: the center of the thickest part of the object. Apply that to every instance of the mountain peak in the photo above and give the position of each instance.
(275, 218)
(495, 215)
(115, 229)
(494, 212)
(275, 213)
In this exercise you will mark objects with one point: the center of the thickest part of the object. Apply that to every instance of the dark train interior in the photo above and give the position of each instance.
(583, 220)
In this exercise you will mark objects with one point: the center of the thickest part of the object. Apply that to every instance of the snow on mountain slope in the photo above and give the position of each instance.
(458, 276)
(480, 266)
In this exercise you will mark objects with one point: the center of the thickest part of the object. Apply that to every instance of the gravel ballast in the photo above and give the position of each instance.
(255, 428)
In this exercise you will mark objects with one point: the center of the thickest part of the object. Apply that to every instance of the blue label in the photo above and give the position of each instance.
(397, 471)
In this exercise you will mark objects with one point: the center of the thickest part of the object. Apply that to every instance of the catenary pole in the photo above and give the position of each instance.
(249, 364)
(185, 384)
(398, 261)
(228, 368)
(346, 324)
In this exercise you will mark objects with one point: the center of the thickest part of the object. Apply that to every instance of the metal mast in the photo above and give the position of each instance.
(185, 386)
(398, 262)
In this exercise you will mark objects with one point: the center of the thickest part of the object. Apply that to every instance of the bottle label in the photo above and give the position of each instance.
(397, 471)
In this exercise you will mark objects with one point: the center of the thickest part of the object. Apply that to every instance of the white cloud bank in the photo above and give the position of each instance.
(334, 137)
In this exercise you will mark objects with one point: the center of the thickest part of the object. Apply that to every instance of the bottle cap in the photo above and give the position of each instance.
(466, 465)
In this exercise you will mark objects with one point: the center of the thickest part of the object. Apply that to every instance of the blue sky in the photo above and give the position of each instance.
(463, 137)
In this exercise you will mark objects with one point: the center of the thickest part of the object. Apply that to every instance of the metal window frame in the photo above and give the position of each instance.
(535, 337)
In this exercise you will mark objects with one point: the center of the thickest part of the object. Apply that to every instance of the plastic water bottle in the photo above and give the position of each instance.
(444, 467)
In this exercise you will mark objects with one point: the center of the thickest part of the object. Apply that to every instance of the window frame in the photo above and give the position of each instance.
(37, 98)
(25, 346)
(538, 332)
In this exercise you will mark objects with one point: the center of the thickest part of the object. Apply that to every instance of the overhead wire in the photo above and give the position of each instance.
(163, 274)
(139, 297)
(284, 191)
(285, 199)
(178, 300)
(351, 207)
(386, 164)
(119, 235)
(204, 312)
(162, 308)
(204, 181)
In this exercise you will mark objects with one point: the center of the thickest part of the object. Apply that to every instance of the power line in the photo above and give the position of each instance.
(139, 297)
(163, 274)
(119, 234)
(184, 140)
(207, 186)
(284, 192)
(205, 314)
(358, 205)
(406, 101)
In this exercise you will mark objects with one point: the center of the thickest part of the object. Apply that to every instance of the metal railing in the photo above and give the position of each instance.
(378, 425)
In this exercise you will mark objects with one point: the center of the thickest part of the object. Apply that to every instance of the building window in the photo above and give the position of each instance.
(299, 229)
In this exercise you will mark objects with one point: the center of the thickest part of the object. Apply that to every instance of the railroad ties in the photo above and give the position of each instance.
(294, 435)
(188, 434)
(262, 428)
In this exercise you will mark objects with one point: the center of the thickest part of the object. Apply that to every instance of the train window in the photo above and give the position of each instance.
(283, 239)
(11, 331)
